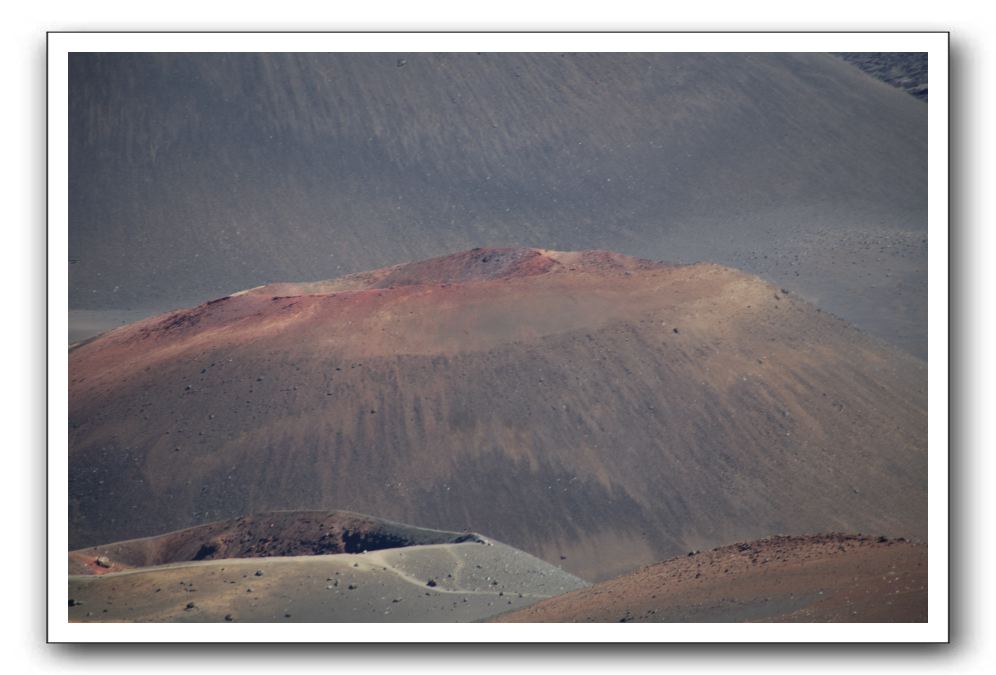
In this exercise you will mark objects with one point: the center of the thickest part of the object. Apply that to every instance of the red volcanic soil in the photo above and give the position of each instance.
(823, 578)
(280, 533)
(595, 410)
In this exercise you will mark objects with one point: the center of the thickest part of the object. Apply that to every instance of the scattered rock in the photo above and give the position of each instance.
(229, 617)
(103, 561)
(431, 583)
(259, 573)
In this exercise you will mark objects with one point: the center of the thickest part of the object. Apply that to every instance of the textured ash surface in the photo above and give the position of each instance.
(598, 411)
(818, 578)
(420, 582)
(905, 70)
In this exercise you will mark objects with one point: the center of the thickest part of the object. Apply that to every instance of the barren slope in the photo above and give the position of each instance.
(195, 175)
(824, 578)
(412, 581)
(606, 409)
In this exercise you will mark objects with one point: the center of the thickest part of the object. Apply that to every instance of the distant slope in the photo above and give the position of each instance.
(824, 578)
(194, 175)
(905, 70)
(414, 581)
(589, 408)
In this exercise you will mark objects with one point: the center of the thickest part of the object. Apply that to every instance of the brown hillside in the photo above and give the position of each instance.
(596, 410)
(824, 578)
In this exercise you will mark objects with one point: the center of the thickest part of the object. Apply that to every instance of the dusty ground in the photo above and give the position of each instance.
(438, 582)
(595, 410)
(824, 578)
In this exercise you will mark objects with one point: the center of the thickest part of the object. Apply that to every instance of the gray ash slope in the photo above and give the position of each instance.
(425, 575)
(192, 176)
